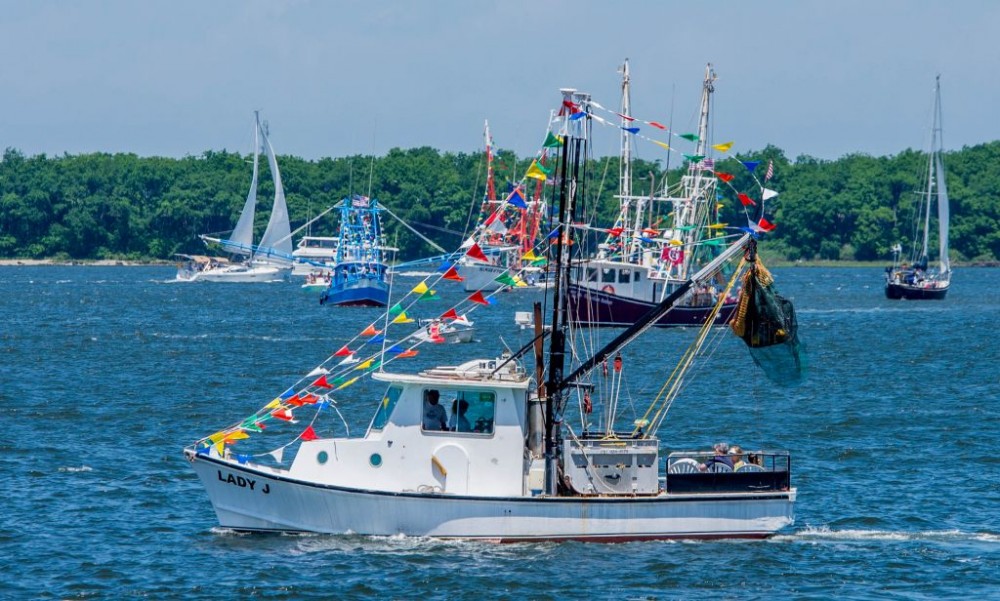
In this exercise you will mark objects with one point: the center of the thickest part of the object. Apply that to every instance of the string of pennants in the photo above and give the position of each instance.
(325, 381)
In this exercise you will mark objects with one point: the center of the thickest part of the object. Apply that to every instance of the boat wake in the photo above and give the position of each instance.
(824, 533)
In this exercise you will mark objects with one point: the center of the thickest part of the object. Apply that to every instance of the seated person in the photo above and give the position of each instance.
(458, 422)
(736, 454)
(435, 417)
(721, 456)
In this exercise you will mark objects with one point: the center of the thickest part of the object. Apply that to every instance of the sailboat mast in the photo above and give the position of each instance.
(491, 192)
(930, 172)
(944, 264)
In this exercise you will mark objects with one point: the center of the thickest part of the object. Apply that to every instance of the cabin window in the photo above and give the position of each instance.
(637, 274)
(385, 407)
(624, 276)
(608, 275)
(591, 274)
(469, 411)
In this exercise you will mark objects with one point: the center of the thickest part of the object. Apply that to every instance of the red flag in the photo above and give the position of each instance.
(309, 399)
(294, 400)
(321, 382)
(765, 225)
(371, 331)
(657, 124)
(407, 353)
(451, 274)
(450, 314)
(626, 117)
(746, 200)
(476, 253)
(477, 297)
(726, 177)
(282, 414)
(616, 231)
(309, 434)
(343, 352)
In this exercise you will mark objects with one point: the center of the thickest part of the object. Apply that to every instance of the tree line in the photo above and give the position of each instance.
(126, 207)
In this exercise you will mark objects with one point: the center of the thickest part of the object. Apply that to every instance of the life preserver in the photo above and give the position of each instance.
(609, 289)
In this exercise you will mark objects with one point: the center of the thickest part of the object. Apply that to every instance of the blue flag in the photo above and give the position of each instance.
(750, 165)
(516, 200)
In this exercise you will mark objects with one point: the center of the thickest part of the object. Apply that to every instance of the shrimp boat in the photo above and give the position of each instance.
(911, 280)
(359, 276)
(269, 260)
(641, 262)
(500, 460)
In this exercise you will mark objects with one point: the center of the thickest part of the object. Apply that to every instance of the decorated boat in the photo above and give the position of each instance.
(643, 257)
(268, 260)
(359, 276)
(487, 448)
(911, 278)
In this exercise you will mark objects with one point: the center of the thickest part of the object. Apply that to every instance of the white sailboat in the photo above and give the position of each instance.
(484, 449)
(910, 278)
(268, 261)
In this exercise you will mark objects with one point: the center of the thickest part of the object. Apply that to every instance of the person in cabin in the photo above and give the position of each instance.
(721, 456)
(435, 417)
(736, 454)
(458, 422)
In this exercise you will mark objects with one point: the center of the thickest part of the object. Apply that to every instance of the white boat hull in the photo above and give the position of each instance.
(248, 499)
(240, 275)
(481, 276)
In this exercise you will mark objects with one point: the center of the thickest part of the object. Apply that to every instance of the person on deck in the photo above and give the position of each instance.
(459, 423)
(721, 457)
(435, 417)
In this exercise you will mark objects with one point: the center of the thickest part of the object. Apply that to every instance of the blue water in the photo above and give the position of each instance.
(107, 372)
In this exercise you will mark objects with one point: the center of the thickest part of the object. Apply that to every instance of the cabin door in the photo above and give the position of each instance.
(455, 473)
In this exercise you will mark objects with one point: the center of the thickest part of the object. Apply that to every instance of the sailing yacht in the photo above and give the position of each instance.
(910, 278)
(484, 449)
(267, 261)
(641, 263)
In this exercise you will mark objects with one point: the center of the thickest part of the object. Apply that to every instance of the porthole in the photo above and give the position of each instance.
(375, 460)
(322, 457)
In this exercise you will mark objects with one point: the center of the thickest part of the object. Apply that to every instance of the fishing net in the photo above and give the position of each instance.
(765, 320)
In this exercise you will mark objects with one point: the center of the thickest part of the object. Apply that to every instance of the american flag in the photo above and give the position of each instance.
(707, 165)
(770, 170)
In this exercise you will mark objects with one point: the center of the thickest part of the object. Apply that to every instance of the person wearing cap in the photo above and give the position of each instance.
(721, 456)
(736, 454)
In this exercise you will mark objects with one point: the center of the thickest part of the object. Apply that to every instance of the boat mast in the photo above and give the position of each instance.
(573, 151)
(491, 192)
(942, 196)
(930, 171)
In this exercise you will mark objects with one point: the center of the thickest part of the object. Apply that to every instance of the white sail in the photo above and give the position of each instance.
(241, 240)
(942, 217)
(276, 244)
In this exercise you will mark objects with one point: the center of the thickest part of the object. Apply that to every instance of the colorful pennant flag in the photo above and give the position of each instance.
(452, 275)
(395, 309)
(535, 171)
(407, 354)
(347, 383)
(746, 200)
(420, 288)
(691, 137)
(476, 253)
(631, 130)
(450, 314)
(288, 393)
(477, 297)
(767, 194)
(551, 141)
(724, 147)
(662, 144)
(656, 124)
(765, 226)
(505, 279)
(321, 383)
(515, 200)
(308, 434)
(402, 318)
(726, 177)
(371, 331)
(530, 256)
(282, 414)
(750, 165)
(694, 158)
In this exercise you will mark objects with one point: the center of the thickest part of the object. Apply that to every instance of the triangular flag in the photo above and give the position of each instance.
(750, 165)
(310, 399)
(553, 234)
(394, 349)
(476, 253)
(254, 426)
(371, 331)
(282, 414)
(530, 256)
(661, 144)
(343, 352)
(407, 354)
(429, 295)
(347, 383)
(516, 200)
(724, 147)
(726, 177)
(402, 318)
(273, 404)
(294, 401)
(395, 309)
(321, 383)
(445, 266)
(691, 137)
(656, 124)
(694, 158)
(349, 360)
(576, 116)
(420, 288)
(277, 454)
(631, 130)
(308, 434)
(451, 274)
(551, 141)
(463, 320)
(535, 171)
(237, 435)
(242, 458)
(288, 393)
(767, 194)
(319, 371)
(746, 200)
(764, 225)
(505, 279)
(616, 231)
(477, 297)
(450, 314)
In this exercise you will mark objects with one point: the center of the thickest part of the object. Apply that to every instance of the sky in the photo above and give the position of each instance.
(337, 78)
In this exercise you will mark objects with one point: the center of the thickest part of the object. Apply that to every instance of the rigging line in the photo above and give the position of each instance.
(408, 226)
(679, 374)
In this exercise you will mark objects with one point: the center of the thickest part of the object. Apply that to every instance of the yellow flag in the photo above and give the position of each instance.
(676, 242)
(402, 318)
(363, 365)
(273, 403)
(218, 436)
(237, 435)
(347, 383)
(717, 226)
(724, 147)
(658, 143)
(530, 256)
(421, 288)
(535, 172)
(220, 448)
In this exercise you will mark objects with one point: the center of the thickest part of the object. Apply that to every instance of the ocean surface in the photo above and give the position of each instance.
(108, 372)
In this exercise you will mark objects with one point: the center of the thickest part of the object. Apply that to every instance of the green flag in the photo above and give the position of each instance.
(552, 141)
(395, 309)
(506, 280)
(692, 137)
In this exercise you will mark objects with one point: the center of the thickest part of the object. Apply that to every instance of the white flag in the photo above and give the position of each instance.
(766, 193)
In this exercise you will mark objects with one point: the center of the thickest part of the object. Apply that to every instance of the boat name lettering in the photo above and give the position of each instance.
(243, 482)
